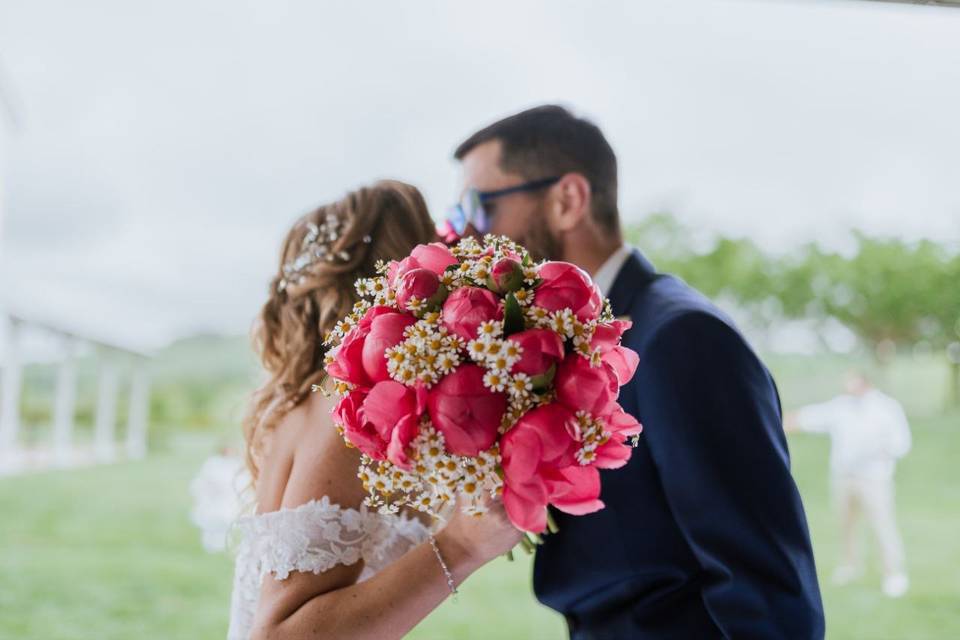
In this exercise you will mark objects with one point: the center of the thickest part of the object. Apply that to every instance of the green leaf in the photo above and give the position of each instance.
(512, 315)
(542, 382)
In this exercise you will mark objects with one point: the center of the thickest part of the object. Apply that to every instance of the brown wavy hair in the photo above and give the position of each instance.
(384, 221)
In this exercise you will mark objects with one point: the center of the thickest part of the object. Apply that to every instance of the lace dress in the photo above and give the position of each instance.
(315, 537)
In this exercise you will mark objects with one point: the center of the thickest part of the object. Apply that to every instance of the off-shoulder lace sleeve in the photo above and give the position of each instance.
(319, 535)
(314, 537)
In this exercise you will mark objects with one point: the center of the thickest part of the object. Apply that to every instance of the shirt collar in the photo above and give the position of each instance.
(608, 271)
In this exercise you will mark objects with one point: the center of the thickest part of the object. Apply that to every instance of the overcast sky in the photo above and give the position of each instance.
(164, 148)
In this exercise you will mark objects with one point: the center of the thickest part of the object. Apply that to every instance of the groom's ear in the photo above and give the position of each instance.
(570, 201)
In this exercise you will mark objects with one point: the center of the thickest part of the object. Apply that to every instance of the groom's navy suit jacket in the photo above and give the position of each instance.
(703, 534)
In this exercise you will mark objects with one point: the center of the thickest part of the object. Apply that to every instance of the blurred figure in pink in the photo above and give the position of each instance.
(869, 433)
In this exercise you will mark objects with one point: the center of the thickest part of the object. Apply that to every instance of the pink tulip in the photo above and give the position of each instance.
(465, 411)
(420, 283)
(386, 330)
(581, 386)
(606, 338)
(616, 452)
(394, 411)
(526, 513)
(619, 422)
(594, 306)
(607, 335)
(541, 349)
(538, 456)
(435, 257)
(567, 286)
(357, 430)
(397, 269)
(347, 364)
(506, 275)
(466, 308)
(575, 489)
(623, 362)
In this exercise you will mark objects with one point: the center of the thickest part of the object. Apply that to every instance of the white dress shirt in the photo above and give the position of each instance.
(608, 271)
(867, 433)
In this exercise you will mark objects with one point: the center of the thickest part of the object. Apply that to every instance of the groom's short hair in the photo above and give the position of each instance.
(550, 141)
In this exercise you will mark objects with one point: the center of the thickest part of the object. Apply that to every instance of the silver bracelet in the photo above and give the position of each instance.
(443, 565)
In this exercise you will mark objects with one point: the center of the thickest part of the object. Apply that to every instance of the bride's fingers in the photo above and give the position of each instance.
(495, 508)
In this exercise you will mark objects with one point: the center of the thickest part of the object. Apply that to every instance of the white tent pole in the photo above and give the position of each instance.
(106, 416)
(65, 404)
(139, 412)
(10, 388)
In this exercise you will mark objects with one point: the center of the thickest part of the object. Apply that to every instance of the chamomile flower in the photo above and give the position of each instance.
(363, 287)
(499, 362)
(447, 361)
(495, 380)
(539, 316)
(520, 385)
(452, 341)
(530, 275)
(449, 279)
(494, 348)
(427, 376)
(406, 374)
(562, 322)
(433, 343)
(489, 329)
(595, 358)
(477, 350)
(524, 296)
(512, 351)
(329, 357)
(586, 454)
(583, 349)
(378, 286)
(583, 331)
(480, 272)
(415, 304)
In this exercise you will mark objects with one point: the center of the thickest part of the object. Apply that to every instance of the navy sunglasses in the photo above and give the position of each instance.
(470, 209)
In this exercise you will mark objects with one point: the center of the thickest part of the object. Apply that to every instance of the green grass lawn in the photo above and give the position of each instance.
(108, 552)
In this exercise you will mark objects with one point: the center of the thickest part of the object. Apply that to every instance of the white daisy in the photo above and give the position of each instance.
(495, 380)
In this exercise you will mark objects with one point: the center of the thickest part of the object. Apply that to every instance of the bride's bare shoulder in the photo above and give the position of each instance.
(316, 460)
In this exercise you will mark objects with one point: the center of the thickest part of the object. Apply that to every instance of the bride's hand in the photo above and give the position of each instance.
(483, 537)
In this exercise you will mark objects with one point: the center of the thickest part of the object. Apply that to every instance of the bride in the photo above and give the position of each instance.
(312, 562)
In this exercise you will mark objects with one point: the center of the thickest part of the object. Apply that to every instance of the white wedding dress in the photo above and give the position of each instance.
(315, 537)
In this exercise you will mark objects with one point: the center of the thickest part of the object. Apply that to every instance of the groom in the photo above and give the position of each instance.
(703, 534)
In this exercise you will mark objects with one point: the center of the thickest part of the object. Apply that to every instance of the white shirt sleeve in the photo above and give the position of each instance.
(819, 418)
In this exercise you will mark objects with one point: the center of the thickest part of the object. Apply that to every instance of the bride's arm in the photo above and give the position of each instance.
(332, 604)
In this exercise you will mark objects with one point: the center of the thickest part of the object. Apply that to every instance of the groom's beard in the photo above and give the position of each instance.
(538, 240)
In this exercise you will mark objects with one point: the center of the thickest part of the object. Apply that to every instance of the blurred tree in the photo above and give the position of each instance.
(889, 292)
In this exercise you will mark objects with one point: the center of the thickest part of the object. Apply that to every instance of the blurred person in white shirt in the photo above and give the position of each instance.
(218, 490)
(868, 432)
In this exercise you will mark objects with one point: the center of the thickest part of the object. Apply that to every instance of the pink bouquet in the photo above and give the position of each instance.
(472, 371)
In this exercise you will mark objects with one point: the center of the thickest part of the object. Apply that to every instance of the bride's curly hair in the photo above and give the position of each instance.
(384, 221)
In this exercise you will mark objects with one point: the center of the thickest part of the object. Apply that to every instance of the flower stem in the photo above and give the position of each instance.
(526, 544)
(551, 523)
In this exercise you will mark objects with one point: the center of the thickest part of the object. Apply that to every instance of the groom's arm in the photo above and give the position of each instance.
(712, 423)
